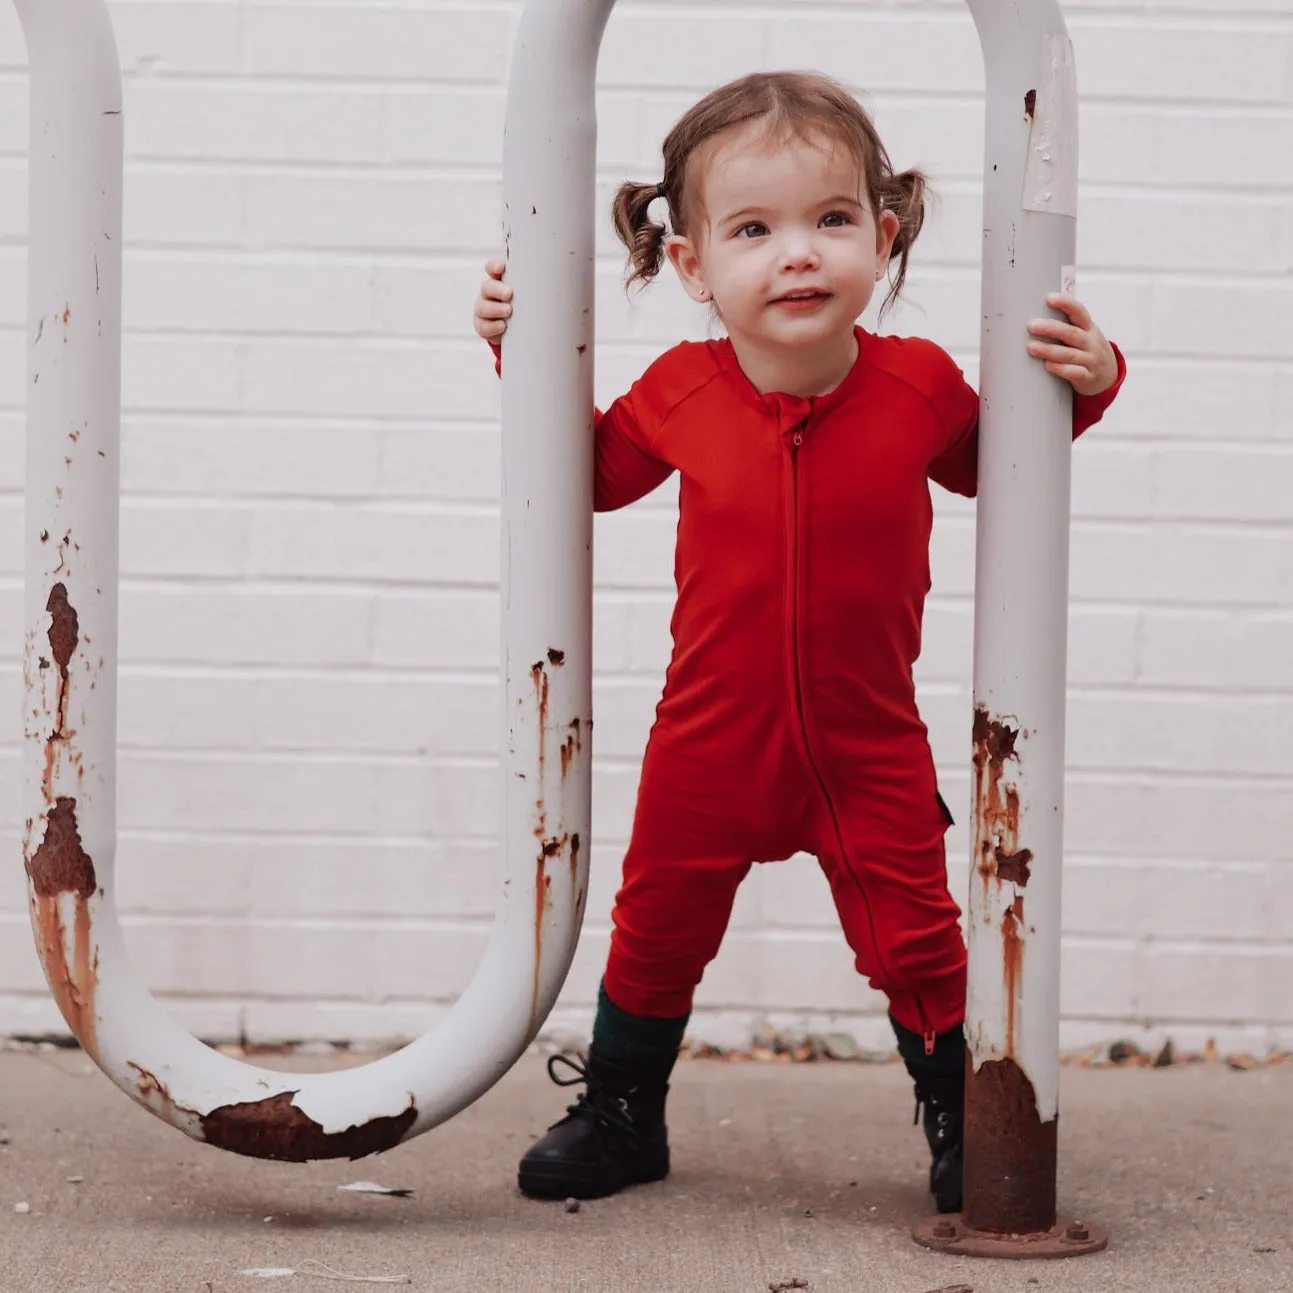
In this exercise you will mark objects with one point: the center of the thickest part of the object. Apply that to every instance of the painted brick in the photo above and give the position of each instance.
(310, 604)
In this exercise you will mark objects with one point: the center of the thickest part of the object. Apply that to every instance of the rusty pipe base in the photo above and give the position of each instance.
(1067, 1239)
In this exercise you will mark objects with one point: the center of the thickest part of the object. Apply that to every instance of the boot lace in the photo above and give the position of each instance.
(595, 1102)
(939, 1109)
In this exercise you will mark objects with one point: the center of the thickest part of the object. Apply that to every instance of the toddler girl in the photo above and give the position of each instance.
(805, 446)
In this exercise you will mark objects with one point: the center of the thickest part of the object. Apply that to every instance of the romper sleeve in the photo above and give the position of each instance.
(957, 467)
(625, 468)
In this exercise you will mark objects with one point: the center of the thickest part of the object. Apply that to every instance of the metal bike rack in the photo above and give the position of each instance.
(70, 657)
(1020, 653)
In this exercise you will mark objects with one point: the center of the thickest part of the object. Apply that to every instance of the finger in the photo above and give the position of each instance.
(493, 290)
(495, 267)
(489, 329)
(1061, 355)
(493, 310)
(1057, 330)
(1069, 372)
(1077, 312)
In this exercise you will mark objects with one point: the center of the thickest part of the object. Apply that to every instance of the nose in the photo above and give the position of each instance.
(799, 254)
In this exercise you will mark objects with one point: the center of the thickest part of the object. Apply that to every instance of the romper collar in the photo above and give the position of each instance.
(787, 409)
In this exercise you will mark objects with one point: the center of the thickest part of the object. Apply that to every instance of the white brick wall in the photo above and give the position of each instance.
(309, 545)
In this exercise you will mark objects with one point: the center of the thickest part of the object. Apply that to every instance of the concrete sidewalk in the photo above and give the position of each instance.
(809, 1173)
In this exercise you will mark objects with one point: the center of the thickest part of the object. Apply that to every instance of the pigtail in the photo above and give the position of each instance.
(905, 195)
(643, 237)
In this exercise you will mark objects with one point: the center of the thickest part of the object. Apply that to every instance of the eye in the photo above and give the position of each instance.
(836, 219)
(755, 229)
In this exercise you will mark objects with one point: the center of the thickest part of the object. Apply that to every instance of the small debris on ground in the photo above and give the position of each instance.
(1166, 1056)
(319, 1271)
(785, 1286)
(371, 1187)
(572, 1205)
(22, 1209)
(840, 1046)
(955, 1288)
(75, 1180)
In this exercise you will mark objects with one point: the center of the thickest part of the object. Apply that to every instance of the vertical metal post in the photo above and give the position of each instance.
(70, 657)
(1021, 624)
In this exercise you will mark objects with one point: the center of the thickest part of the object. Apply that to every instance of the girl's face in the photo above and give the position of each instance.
(784, 242)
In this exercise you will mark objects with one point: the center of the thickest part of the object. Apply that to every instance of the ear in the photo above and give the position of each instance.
(887, 228)
(686, 262)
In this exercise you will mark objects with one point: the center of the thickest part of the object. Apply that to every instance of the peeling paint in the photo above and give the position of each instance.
(572, 746)
(64, 636)
(997, 854)
(275, 1128)
(1012, 959)
(61, 870)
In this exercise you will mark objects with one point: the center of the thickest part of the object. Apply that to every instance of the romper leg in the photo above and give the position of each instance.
(883, 854)
(689, 852)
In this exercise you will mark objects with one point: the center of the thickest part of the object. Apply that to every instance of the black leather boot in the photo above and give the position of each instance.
(612, 1136)
(943, 1098)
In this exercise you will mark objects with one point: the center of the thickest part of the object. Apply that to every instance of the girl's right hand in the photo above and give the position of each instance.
(494, 304)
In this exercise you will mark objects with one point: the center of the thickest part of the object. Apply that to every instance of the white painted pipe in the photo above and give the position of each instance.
(1021, 623)
(70, 658)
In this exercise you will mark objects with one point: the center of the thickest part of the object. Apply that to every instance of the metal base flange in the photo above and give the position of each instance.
(950, 1234)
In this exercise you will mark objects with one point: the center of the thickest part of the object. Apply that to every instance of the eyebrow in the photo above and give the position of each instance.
(842, 199)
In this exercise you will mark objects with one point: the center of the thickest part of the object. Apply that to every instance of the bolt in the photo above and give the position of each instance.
(1078, 1233)
(944, 1230)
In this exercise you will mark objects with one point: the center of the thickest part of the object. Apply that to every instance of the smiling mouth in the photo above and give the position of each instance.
(801, 298)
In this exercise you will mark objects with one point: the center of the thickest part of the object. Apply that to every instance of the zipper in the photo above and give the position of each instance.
(796, 443)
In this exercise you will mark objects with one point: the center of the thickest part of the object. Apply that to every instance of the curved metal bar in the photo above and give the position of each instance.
(70, 657)
(1021, 623)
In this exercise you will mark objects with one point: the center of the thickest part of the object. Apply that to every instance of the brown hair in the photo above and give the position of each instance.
(795, 105)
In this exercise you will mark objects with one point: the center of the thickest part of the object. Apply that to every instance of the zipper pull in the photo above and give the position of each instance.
(930, 1038)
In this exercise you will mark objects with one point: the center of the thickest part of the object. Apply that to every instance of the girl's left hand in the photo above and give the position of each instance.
(1077, 350)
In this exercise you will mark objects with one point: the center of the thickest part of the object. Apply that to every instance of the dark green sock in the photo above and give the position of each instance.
(949, 1049)
(631, 1039)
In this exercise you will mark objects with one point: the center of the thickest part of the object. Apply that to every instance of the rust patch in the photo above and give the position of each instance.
(572, 745)
(1012, 960)
(64, 637)
(1010, 1154)
(541, 688)
(556, 657)
(64, 634)
(1030, 104)
(60, 867)
(542, 899)
(996, 805)
(574, 864)
(275, 1128)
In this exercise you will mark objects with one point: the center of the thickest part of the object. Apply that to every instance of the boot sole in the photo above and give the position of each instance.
(557, 1181)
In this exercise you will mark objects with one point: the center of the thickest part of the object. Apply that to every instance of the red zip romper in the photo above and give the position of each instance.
(788, 720)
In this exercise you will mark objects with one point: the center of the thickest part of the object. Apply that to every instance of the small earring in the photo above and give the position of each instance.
(704, 294)
(879, 274)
